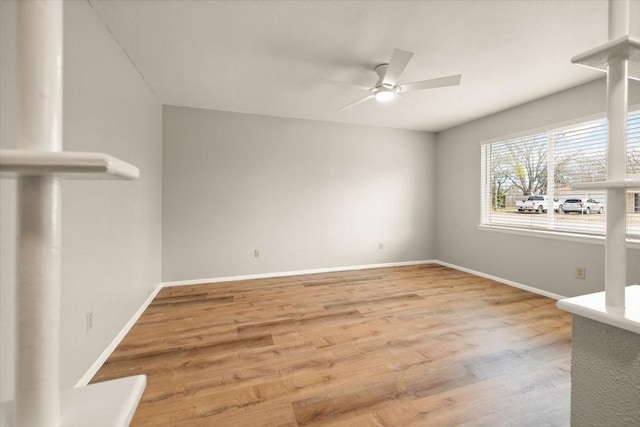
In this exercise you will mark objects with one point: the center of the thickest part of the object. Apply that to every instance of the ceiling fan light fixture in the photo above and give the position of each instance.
(384, 96)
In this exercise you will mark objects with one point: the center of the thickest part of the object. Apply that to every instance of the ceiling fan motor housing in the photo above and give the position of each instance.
(381, 70)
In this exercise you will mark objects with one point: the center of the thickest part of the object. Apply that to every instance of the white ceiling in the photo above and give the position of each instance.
(268, 57)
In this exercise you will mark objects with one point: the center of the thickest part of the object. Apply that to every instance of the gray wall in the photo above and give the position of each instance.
(605, 375)
(111, 229)
(307, 194)
(542, 263)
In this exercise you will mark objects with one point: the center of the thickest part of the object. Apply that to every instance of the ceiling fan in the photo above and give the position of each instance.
(387, 86)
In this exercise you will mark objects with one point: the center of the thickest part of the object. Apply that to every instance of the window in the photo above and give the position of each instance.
(526, 181)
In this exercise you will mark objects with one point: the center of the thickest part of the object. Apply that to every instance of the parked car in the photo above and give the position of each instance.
(583, 206)
(538, 204)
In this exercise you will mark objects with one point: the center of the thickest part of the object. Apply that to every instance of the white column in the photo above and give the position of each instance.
(615, 245)
(618, 18)
(37, 397)
(617, 90)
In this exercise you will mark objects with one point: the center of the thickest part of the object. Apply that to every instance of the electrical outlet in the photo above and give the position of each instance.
(380, 245)
(89, 321)
(256, 253)
(581, 273)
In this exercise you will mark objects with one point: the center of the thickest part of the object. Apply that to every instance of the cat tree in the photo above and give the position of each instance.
(39, 164)
(605, 359)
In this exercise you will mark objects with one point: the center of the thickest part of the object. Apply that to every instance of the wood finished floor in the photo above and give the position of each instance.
(419, 345)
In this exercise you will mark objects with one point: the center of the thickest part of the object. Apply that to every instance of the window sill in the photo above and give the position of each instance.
(555, 235)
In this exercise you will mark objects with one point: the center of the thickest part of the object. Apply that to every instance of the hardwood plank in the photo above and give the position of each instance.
(319, 408)
(416, 345)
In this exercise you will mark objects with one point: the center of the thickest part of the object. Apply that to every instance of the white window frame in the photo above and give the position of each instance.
(549, 232)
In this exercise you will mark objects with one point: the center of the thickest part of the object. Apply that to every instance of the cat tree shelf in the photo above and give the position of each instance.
(628, 184)
(592, 306)
(105, 404)
(598, 58)
(65, 164)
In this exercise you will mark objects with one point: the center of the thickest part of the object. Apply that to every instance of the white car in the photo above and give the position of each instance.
(538, 204)
(583, 206)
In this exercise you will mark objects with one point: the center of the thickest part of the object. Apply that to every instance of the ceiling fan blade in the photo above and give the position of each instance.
(432, 83)
(355, 103)
(351, 85)
(397, 64)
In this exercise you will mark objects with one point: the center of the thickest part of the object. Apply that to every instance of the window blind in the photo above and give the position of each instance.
(547, 164)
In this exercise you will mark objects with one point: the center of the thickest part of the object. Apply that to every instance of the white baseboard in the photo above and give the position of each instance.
(501, 280)
(293, 273)
(116, 341)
